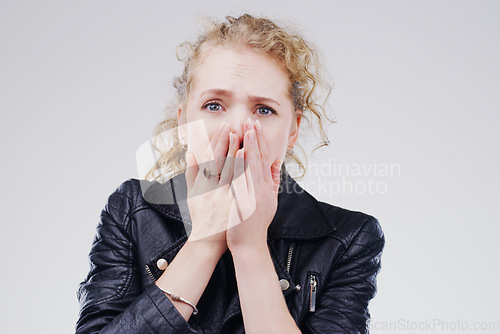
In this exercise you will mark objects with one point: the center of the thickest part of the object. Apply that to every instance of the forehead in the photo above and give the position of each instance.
(240, 70)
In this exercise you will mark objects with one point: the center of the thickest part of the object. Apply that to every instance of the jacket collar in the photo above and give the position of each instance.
(298, 216)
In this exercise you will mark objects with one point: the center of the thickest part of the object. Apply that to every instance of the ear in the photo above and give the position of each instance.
(294, 133)
(180, 125)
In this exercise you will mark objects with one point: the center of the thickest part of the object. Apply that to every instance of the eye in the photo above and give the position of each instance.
(265, 110)
(212, 106)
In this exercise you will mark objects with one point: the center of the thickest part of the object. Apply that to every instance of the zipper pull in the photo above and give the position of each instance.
(312, 295)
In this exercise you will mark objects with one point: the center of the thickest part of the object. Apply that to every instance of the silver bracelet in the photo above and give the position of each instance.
(176, 297)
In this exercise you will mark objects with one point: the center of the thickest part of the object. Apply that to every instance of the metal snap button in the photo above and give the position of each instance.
(284, 284)
(162, 264)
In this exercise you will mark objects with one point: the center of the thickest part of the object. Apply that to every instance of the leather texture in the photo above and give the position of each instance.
(145, 221)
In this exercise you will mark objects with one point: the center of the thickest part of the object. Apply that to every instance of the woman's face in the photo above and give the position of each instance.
(231, 85)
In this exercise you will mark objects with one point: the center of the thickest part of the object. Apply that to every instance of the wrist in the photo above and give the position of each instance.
(250, 251)
(205, 247)
(244, 243)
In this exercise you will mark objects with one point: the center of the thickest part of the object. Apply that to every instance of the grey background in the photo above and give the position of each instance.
(416, 86)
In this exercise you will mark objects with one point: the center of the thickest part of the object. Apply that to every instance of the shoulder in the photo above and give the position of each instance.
(351, 224)
(126, 194)
(125, 199)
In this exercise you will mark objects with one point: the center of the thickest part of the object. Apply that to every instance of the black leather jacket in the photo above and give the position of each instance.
(326, 257)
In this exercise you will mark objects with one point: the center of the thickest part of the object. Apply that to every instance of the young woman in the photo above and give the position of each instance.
(231, 243)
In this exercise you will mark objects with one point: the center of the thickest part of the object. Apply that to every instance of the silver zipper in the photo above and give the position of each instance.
(150, 274)
(312, 296)
(289, 262)
(289, 258)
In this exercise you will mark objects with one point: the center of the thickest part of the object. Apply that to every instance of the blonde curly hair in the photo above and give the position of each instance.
(298, 58)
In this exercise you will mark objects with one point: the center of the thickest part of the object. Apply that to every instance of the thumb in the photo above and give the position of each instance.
(191, 170)
(275, 173)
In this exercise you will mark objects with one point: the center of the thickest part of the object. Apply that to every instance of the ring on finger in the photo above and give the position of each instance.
(207, 173)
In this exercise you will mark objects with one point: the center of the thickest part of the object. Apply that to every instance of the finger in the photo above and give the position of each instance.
(253, 157)
(247, 125)
(251, 173)
(264, 152)
(210, 160)
(209, 150)
(275, 173)
(191, 170)
(228, 169)
(239, 179)
(252, 180)
(220, 151)
(238, 187)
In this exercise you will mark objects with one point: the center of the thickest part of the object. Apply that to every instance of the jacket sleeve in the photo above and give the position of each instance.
(111, 298)
(342, 306)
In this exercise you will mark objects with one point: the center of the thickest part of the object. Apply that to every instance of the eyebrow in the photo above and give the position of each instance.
(224, 92)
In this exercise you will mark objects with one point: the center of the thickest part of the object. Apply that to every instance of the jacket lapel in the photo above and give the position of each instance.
(298, 216)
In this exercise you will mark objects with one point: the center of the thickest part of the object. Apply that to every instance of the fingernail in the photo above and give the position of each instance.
(257, 126)
(221, 126)
(249, 123)
(231, 139)
(226, 129)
